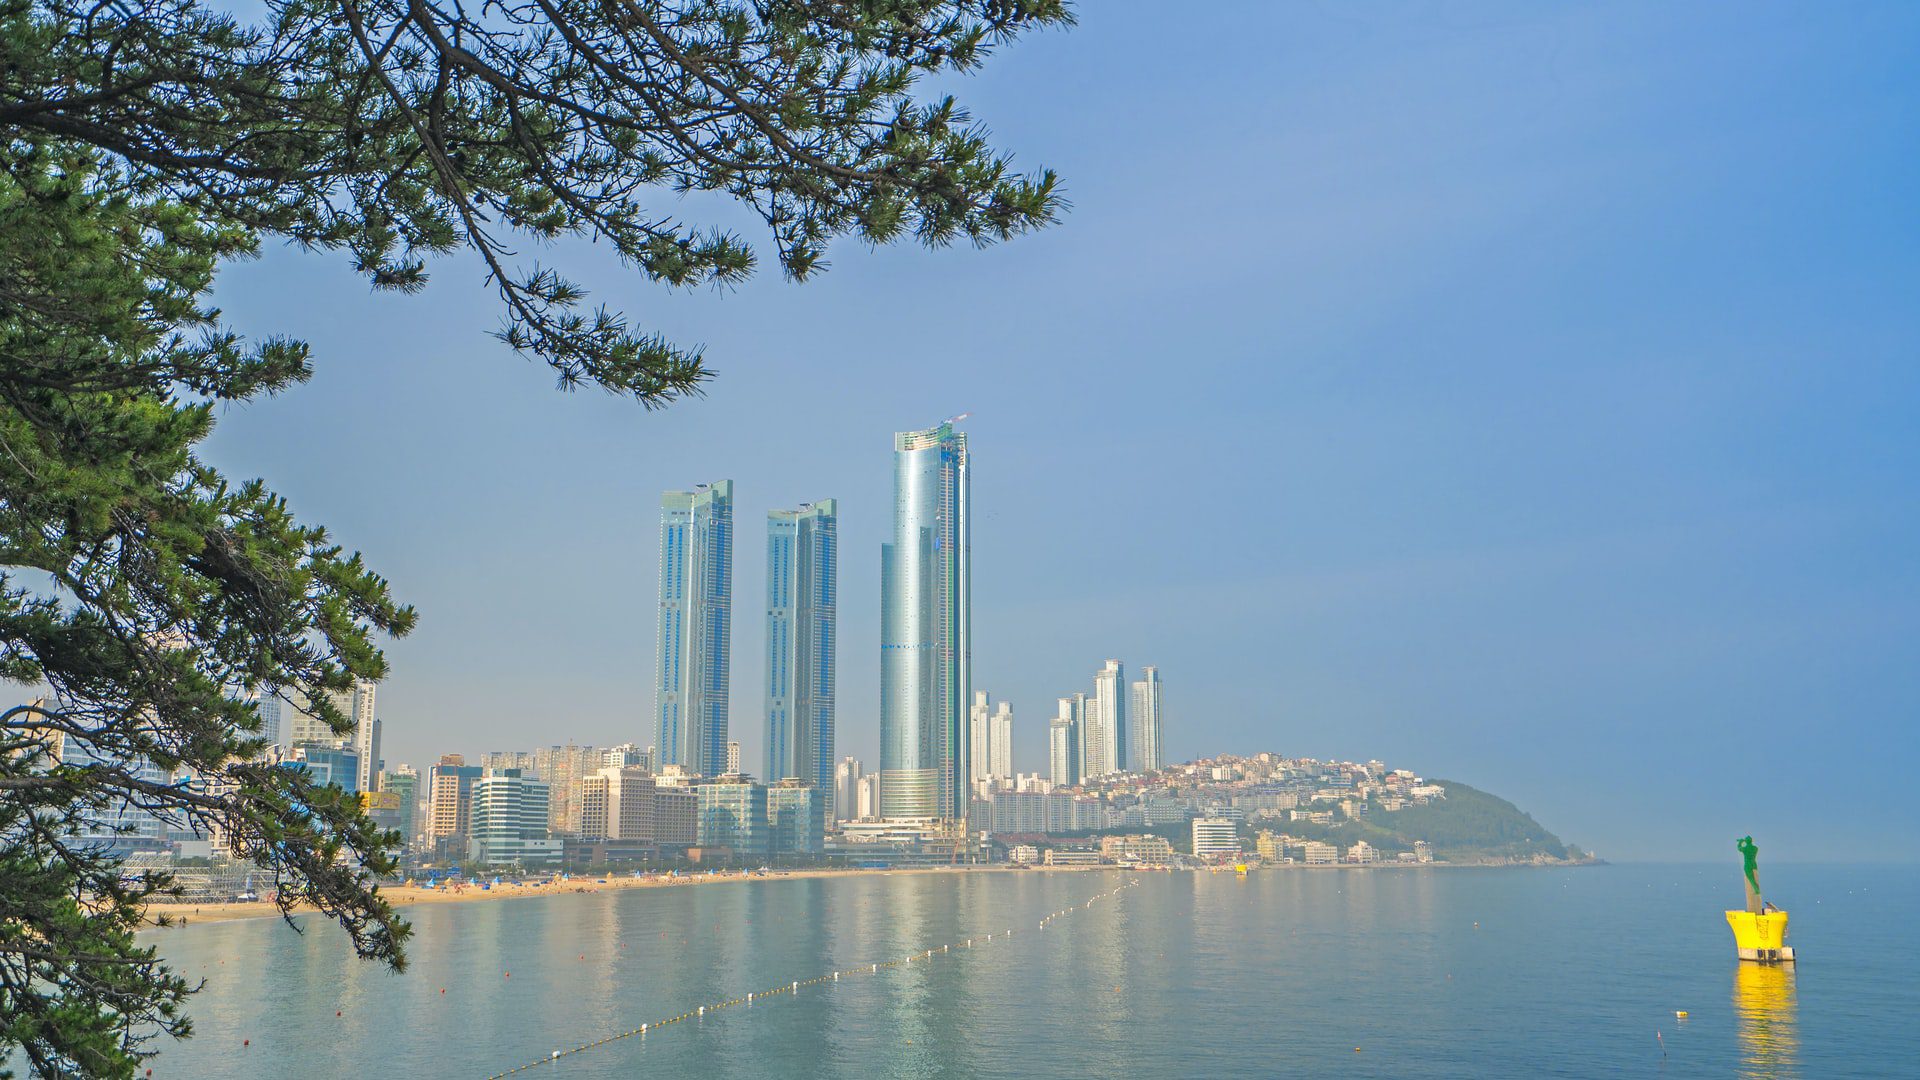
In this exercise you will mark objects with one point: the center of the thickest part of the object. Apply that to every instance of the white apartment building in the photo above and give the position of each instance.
(1213, 837)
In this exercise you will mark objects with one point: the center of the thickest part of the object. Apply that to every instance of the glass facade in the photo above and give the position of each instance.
(796, 818)
(733, 814)
(803, 555)
(926, 630)
(696, 627)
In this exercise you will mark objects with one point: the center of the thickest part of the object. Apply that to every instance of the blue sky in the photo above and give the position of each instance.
(1523, 394)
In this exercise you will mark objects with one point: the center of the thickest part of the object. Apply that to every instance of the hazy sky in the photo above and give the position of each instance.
(1522, 394)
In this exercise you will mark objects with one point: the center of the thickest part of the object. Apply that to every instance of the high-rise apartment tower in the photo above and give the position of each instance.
(1110, 700)
(1144, 753)
(696, 627)
(803, 555)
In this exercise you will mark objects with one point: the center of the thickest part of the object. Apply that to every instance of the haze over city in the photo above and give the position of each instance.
(1527, 401)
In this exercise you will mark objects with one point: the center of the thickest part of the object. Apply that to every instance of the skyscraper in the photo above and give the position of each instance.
(803, 556)
(926, 655)
(1109, 697)
(1000, 743)
(1063, 746)
(979, 736)
(696, 627)
(1143, 741)
(271, 730)
(1086, 717)
(846, 789)
(356, 704)
(366, 733)
(306, 727)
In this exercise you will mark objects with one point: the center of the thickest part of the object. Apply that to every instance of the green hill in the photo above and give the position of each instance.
(1472, 823)
(1468, 825)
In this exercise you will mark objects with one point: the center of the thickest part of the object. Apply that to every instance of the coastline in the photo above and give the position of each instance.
(411, 895)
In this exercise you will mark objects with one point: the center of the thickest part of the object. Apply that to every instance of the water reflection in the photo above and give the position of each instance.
(1767, 1014)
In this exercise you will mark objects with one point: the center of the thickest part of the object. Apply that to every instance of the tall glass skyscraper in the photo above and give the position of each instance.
(1143, 740)
(696, 627)
(803, 558)
(926, 654)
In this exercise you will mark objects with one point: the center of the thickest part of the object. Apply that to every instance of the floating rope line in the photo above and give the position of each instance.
(700, 1011)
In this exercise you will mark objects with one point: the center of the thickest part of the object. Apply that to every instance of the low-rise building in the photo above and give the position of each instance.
(1144, 850)
(1269, 847)
(733, 815)
(676, 817)
(796, 818)
(1316, 853)
(1214, 838)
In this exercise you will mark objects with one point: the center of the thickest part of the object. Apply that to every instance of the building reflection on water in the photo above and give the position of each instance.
(1767, 1014)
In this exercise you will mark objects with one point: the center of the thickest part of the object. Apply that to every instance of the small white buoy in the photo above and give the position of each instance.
(643, 1029)
(703, 1011)
(796, 986)
(556, 1054)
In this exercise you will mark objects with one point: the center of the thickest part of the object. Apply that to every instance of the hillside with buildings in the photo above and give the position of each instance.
(1279, 810)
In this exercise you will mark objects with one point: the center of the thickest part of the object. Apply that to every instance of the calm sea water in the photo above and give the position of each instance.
(1437, 972)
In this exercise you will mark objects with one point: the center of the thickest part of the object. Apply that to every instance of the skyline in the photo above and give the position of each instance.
(1546, 400)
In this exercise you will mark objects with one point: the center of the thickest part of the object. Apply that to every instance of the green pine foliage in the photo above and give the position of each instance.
(144, 144)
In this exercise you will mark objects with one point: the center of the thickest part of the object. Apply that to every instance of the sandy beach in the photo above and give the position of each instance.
(409, 895)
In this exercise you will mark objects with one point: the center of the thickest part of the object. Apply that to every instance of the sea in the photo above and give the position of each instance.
(1395, 972)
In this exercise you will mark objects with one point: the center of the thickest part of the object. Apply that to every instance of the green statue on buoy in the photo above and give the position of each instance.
(1751, 852)
(1759, 932)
